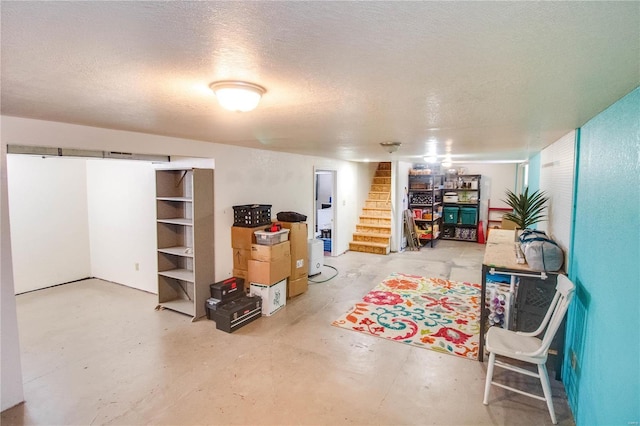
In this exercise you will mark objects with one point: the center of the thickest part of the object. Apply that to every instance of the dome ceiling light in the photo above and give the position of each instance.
(390, 147)
(237, 95)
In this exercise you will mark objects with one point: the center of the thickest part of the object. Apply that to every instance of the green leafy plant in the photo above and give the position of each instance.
(528, 208)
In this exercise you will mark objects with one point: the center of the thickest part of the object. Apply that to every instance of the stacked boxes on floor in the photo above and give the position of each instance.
(246, 220)
(299, 279)
(269, 268)
(229, 307)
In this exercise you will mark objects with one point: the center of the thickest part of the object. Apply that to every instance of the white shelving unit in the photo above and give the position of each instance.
(184, 206)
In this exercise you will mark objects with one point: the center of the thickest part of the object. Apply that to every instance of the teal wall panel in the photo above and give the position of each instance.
(602, 360)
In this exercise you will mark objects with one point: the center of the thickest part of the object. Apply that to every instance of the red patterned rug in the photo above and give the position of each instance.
(431, 313)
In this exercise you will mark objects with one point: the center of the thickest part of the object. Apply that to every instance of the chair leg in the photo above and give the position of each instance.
(546, 389)
(487, 384)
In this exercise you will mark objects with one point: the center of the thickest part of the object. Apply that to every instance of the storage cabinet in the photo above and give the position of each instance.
(461, 201)
(185, 243)
(425, 203)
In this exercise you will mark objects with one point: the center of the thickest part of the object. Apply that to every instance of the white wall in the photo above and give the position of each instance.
(401, 203)
(10, 366)
(122, 213)
(242, 175)
(557, 169)
(49, 225)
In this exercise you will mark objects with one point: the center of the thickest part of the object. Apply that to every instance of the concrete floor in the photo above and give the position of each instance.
(95, 352)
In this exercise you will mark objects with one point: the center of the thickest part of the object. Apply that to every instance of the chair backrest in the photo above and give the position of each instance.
(565, 290)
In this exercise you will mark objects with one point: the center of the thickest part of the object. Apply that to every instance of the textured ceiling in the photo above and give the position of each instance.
(486, 80)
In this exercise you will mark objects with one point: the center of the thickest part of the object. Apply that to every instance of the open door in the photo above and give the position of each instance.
(324, 212)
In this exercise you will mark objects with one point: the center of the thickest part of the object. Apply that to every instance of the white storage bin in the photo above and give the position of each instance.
(450, 197)
(271, 238)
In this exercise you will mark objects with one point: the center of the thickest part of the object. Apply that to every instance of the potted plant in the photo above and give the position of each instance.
(528, 208)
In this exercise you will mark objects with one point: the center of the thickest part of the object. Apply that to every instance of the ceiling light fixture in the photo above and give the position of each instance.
(237, 95)
(390, 146)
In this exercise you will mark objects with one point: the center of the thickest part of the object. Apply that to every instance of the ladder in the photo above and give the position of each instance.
(410, 231)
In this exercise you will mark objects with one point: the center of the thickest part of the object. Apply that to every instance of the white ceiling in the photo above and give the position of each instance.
(491, 80)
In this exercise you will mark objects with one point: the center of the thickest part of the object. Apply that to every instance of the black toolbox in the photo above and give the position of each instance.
(227, 290)
(231, 316)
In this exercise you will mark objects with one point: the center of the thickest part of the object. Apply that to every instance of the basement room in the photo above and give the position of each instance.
(320, 213)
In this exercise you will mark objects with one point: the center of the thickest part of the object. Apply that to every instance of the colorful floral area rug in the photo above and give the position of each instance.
(431, 313)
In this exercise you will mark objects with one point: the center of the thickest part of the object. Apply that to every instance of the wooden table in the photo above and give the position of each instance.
(500, 257)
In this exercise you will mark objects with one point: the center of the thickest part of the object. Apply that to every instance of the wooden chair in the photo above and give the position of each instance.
(527, 347)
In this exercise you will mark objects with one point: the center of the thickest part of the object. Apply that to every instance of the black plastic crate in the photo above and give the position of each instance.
(252, 215)
(534, 298)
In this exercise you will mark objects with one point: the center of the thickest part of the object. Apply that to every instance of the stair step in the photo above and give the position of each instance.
(375, 220)
(386, 165)
(373, 228)
(374, 248)
(377, 204)
(380, 187)
(383, 173)
(370, 237)
(382, 180)
(377, 195)
(377, 211)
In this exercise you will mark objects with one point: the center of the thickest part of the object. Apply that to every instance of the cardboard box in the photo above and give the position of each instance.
(241, 258)
(299, 250)
(270, 253)
(274, 297)
(268, 273)
(242, 238)
(244, 274)
(507, 224)
(296, 287)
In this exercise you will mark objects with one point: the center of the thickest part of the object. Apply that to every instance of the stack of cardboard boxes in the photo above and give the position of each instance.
(269, 268)
(265, 268)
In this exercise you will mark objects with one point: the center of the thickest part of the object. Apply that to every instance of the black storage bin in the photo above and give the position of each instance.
(291, 217)
(252, 215)
(238, 313)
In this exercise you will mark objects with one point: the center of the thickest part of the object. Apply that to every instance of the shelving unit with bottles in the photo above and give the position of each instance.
(425, 202)
(185, 231)
(461, 201)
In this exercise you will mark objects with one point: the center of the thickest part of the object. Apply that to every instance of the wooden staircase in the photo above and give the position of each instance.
(373, 232)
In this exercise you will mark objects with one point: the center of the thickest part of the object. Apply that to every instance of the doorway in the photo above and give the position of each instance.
(325, 209)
